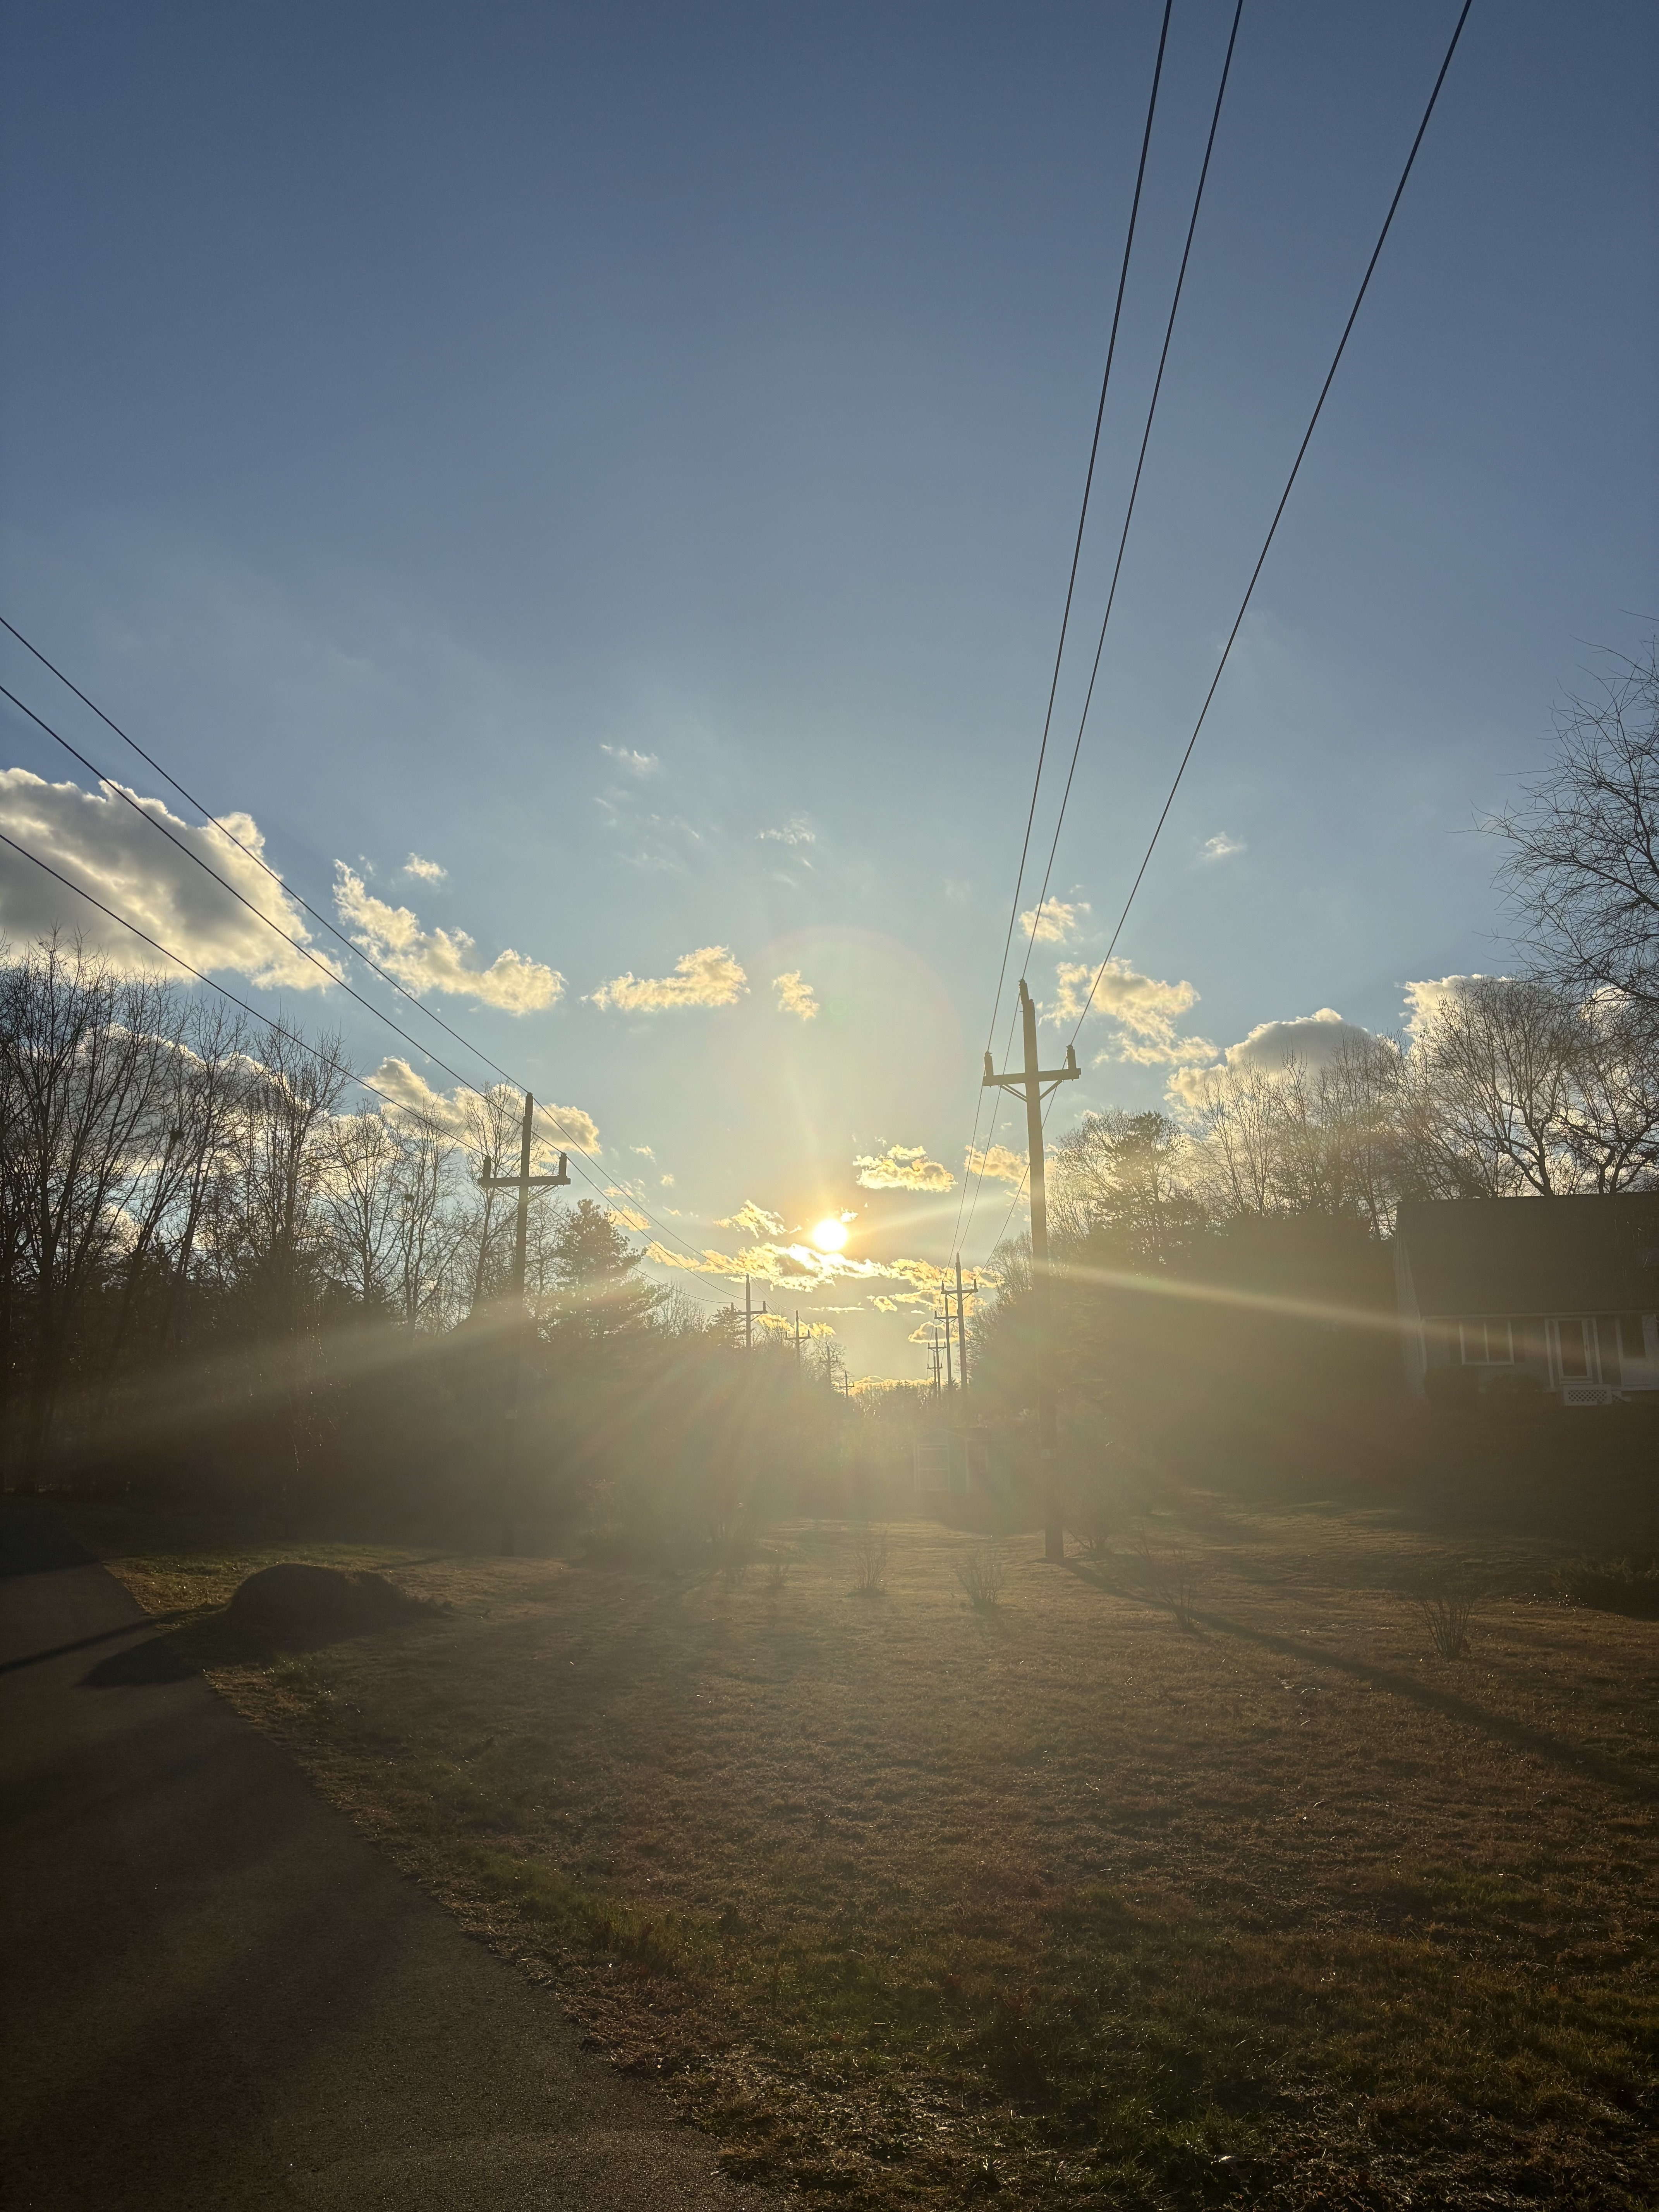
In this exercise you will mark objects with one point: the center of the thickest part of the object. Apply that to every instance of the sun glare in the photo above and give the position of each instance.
(830, 1235)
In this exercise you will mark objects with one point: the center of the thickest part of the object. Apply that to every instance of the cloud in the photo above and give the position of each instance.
(436, 959)
(903, 1167)
(708, 977)
(884, 1304)
(1312, 1041)
(428, 872)
(632, 764)
(97, 840)
(795, 831)
(795, 996)
(1054, 922)
(1426, 1000)
(1144, 1009)
(630, 1219)
(1221, 846)
(566, 1128)
(644, 1151)
(667, 1182)
(753, 1220)
(996, 1162)
(803, 1270)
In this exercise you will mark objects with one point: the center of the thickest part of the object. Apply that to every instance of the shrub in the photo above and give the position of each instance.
(1171, 1579)
(869, 1560)
(1628, 1586)
(1445, 1600)
(983, 1576)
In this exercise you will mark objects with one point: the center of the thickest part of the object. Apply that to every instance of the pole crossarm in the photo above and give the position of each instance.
(1022, 1079)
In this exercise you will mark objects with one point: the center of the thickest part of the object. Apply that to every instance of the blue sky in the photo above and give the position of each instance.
(629, 459)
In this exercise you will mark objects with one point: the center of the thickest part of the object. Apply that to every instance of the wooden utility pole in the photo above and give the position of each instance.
(961, 1296)
(1029, 1082)
(748, 1316)
(524, 1183)
(950, 1379)
(936, 1359)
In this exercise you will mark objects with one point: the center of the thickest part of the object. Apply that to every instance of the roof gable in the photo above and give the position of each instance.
(1532, 1255)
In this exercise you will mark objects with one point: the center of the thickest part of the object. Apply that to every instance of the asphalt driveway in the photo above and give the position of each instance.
(215, 1992)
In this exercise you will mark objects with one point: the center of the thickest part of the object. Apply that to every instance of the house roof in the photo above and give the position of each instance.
(1532, 1255)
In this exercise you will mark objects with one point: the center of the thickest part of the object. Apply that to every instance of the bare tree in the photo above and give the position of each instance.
(1583, 870)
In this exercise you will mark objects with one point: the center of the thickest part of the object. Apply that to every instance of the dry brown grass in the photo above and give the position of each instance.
(908, 1900)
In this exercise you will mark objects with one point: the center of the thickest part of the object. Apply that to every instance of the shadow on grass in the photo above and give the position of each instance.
(1518, 1736)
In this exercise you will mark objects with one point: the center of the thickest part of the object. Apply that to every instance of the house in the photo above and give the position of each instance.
(958, 1461)
(1565, 1290)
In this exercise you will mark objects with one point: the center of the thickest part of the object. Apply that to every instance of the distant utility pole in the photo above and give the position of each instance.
(950, 1379)
(797, 1336)
(1029, 1082)
(524, 1183)
(961, 1296)
(748, 1316)
(935, 1355)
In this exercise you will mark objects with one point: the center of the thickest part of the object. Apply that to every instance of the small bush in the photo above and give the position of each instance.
(1628, 1586)
(869, 1560)
(777, 1576)
(1445, 1600)
(983, 1576)
(1167, 1579)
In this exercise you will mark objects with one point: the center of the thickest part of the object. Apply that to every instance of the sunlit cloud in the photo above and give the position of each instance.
(753, 1220)
(903, 1167)
(802, 1270)
(1425, 1000)
(795, 831)
(97, 840)
(1221, 846)
(437, 959)
(996, 1162)
(569, 1128)
(425, 871)
(708, 978)
(1310, 1041)
(1054, 922)
(795, 996)
(1143, 1008)
(631, 763)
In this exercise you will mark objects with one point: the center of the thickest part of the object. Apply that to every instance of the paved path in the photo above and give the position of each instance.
(217, 1993)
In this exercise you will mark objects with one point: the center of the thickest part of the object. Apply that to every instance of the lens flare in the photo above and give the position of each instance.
(830, 1235)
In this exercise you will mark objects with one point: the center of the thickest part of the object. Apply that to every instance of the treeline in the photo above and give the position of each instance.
(1222, 1292)
(220, 1277)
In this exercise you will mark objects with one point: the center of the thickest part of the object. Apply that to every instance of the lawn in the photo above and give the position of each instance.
(907, 1900)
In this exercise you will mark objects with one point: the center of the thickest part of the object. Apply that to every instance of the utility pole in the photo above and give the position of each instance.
(748, 1317)
(936, 1368)
(962, 1322)
(950, 1379)
(524, 1183)
(1029, 1082)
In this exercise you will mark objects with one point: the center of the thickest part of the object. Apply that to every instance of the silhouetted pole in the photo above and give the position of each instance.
(1029, 1083)
(950, 1379)
(524, 1183)
(748, 1317)
(962, 1329)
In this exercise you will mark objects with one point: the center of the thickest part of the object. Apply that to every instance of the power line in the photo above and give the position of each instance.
(369, 1007)
(1284, 500)
(1117, 566)
(570, 1138)
(1077, 552)
(257, 858)
(1140, 463)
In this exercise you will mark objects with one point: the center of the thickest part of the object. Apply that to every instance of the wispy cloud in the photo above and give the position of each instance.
(97, 840)
(1143, 1008)
(795, 831)
(438, 959)
(708, 978)
(425, 871)
(1221, 846)
(633, 763)
(903, 1167)
(753, 1220)
(568, 1129)
(795, 996)
(1055, 922)
(996, 1163)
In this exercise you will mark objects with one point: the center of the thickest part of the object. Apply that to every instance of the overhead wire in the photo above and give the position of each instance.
(553, 1120)
(1077, 552)
(1272, 528)
(1278, 511)
(966, 1229)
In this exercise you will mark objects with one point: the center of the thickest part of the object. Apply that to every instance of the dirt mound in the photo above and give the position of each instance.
(315, 1600)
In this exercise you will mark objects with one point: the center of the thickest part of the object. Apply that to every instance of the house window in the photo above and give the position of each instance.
(1486, 1344)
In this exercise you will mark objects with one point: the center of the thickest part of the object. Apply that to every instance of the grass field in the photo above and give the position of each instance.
(909, 1902)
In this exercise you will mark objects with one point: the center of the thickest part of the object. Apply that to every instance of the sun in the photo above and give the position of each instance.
(830, 1235)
